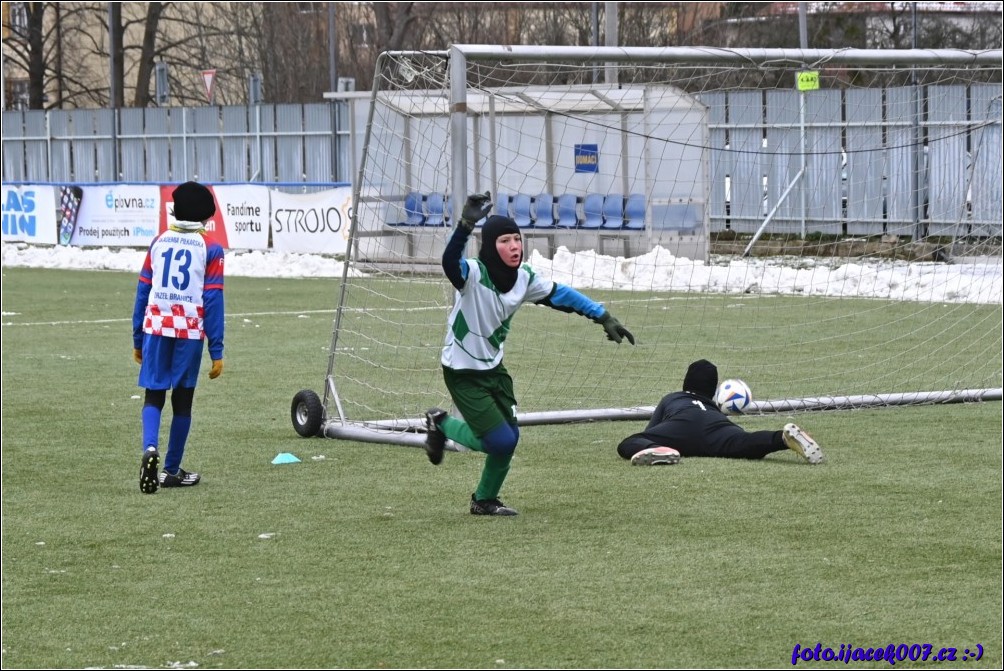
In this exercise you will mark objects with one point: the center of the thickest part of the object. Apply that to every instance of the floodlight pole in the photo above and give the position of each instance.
(803, 42)
(332, 49)
(803, 30)
(916, 140)
(596, 38)
(611, 38)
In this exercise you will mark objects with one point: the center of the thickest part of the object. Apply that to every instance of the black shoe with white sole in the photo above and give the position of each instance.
(180, 479)
(435, 441)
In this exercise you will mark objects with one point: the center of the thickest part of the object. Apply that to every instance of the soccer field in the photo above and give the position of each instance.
(365, 556)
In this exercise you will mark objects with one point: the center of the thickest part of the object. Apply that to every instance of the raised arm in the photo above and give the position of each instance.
(477, 208)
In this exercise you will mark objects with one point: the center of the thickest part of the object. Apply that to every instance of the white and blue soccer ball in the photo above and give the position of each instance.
(733, 397)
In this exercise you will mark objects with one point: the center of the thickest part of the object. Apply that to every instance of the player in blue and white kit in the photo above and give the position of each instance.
(179, 303)
(490, 289)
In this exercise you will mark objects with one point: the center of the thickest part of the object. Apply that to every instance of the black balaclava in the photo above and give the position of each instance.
(701, 379)
(193, 202)
(501, 275)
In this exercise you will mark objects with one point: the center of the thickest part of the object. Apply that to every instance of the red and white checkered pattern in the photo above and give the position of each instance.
(176, 324)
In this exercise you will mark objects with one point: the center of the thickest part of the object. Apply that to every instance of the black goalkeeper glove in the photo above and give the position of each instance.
(476, 208)
(615, 331)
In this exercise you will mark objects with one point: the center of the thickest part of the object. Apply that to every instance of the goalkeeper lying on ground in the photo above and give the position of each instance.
(688, 423)
(490, 289)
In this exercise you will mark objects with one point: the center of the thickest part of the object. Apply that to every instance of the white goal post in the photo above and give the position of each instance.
(824, 224)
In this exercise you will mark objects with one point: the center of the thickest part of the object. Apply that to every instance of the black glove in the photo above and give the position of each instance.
(476, 208)
(615, 331)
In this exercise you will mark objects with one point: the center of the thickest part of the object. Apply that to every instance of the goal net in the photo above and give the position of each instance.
(825, 225)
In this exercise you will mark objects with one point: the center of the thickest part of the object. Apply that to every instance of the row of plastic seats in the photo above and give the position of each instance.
(434, 209)
(595, 210)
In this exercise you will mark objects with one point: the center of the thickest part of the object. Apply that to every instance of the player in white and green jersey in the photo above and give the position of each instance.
(490, 288)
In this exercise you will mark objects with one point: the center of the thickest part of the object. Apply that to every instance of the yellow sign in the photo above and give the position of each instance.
(808, 80)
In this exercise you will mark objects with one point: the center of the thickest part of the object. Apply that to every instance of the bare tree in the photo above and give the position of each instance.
(393, 21)
(189, 42)
(147, 52)
(242, 33)
(293, 51)
(116, 52)
(91, 54)
(36, 60)
(29, 40)
(652, 24)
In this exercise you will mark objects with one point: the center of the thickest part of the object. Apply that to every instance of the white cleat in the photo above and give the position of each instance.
(656, 456)
(802, 444)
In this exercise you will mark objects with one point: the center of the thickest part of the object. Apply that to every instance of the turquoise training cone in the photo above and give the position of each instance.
(285, 458)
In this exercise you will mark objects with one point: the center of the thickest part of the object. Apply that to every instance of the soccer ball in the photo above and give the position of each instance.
(733, 397)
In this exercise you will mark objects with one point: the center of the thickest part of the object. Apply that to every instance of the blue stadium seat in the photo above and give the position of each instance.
(543, 211)
(568, 215)
(502, 202)
(634, 212)
(682, 217)
(435, 209)
(521, 204)
(413, 215)
(448, 210)
(613, 211)
(592, 210)
(692, 218)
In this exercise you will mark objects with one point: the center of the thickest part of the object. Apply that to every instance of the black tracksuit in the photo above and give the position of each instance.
(695, 427)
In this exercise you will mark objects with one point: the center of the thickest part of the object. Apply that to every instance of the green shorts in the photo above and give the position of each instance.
(484, 398)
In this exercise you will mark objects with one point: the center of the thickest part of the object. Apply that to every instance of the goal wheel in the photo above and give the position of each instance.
(307, 413)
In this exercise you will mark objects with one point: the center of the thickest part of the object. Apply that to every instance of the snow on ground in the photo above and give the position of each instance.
(658, 270)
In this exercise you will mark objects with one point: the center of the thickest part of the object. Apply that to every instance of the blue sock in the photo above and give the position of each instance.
(176, 442)
(151, 426)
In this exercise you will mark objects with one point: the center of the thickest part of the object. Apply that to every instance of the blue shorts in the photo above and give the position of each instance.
(169, 363)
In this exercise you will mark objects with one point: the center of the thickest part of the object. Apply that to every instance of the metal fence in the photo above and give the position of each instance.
(259, 143)
(865, 171)
(865, 167)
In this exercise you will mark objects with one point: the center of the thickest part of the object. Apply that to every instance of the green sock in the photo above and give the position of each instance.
(492, 476)
(459, 432)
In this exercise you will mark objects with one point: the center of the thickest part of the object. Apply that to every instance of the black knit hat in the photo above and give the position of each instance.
(495, 227)
(701, 379)
(193, 202)
(501, 275)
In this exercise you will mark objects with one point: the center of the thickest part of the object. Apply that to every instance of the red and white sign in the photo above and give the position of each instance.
(215, 226)
(209, 78)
